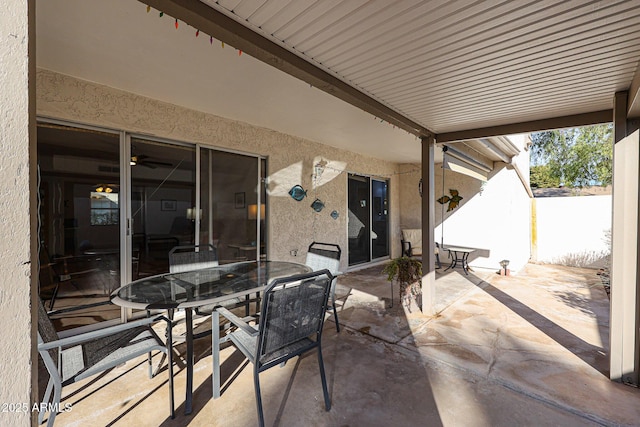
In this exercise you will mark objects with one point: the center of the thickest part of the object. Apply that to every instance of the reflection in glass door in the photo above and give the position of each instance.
(163, 196)
(79, 222)
(359, 229)
(368, 219)
(231, 207)
(379, 219)
(112, 206)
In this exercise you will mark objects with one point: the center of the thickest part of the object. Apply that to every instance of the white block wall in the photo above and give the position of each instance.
(571, 230)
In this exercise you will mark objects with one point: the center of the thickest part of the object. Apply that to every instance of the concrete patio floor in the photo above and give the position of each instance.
(529, 349)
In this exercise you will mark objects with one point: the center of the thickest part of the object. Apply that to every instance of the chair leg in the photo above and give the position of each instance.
(53, 296)
(57, 394)
(438, 261)
(258, 300)
(256, 381)
(215, 353)
(327, 401)
(332, 295)
(45, 399)
(170, 362)
(150, 363)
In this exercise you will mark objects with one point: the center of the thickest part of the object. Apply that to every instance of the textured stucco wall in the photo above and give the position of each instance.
(494, 216)
(410, 208)
(17, 371)
(292, 225)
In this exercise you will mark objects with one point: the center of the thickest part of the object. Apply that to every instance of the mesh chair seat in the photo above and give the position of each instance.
(82, 361)
(248, 344)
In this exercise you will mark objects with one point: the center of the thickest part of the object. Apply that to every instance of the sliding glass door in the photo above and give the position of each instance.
(359, 229)
(162, 194)
(79, 225)
(379, 219)
(232, 205)
(112, 206)
(368, 229)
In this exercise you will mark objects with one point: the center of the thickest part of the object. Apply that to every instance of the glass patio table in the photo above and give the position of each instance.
(197, 288)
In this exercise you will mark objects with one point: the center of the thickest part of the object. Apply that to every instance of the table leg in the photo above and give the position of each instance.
(189, 339)
(454, 260)
(465, 263)
(215, 352)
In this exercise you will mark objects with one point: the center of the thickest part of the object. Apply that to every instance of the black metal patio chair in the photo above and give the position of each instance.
(291, 321)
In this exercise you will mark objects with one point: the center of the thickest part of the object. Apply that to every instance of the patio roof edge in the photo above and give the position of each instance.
(633, 107)
(576, 120)
(220, 26)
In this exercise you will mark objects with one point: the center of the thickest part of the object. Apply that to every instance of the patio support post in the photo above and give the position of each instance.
(18, 213)
(624, 324)
(428, 225)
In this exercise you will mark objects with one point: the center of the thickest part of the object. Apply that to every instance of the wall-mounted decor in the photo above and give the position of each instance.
(453, 201)
(168, 205)
(335, 214)
(239, 200)
(297, 193)
(317, 205)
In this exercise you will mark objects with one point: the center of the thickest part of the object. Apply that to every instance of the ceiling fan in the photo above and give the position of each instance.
(144, 160)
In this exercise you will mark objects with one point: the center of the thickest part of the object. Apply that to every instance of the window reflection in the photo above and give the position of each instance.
(163, 182)
(79, 229)
(80, 207)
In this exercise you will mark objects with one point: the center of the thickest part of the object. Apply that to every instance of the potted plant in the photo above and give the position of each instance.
(408, 273)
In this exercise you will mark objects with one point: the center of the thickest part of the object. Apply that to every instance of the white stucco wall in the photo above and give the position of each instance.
(17, 367)
(493, 217)
(572, 230)
(292, 225)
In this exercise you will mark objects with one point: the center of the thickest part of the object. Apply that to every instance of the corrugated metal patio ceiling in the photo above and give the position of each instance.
(457, 65)
(461, 70)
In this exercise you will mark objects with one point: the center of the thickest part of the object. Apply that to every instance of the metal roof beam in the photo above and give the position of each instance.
(586, 119)
(473, 161)
(498, 152)
(220, 26)
(633, 108)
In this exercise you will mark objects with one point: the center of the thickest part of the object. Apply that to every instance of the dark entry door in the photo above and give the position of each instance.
(380, 218)
(359, 220)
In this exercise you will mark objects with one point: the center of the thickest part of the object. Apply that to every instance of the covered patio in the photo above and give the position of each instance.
(527, 349)
(383, 87)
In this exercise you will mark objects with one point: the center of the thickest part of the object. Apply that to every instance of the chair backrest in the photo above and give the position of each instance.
(324, 255)
(192, 257)
(46, 331)
(292, 311)
(413, 235)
